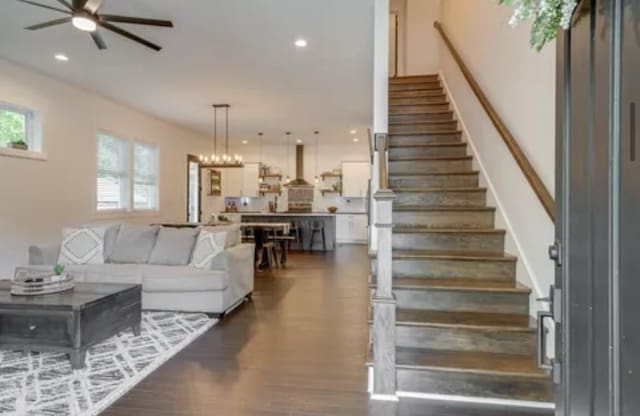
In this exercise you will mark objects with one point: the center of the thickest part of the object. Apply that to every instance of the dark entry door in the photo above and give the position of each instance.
(598, 197)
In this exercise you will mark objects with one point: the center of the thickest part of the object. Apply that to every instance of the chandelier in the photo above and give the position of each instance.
(226, 160)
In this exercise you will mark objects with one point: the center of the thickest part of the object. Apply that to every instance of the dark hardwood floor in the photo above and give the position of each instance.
(298, 348)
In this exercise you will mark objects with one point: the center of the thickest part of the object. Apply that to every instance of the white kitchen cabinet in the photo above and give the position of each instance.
(239, 182)
(251, 184)
(355, 179)
(351, 228)
(232, 182)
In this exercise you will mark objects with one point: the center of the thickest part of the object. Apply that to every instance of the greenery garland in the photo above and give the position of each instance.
(548, 17)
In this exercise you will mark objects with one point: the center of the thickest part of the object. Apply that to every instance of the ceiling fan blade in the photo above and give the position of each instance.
(97, 38)
(129, 35)
(135, 20)
(92, 6)
(33, 3)
(66, 4)
(49, 23)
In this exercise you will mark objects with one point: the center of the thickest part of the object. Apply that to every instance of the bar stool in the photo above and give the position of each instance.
(317, 226)
(295, 231)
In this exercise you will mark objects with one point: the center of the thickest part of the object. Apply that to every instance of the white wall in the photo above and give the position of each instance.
(422, 45)
(37, 198)
(521, 85)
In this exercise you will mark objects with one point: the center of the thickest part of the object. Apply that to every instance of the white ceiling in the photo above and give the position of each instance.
(239, 52)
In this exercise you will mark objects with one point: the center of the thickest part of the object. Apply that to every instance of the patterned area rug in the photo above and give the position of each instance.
(44, 384)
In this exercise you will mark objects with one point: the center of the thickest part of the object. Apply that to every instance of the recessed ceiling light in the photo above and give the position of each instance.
(245, 141)
(61, 57)
(354, 131)
(84, 21)
(299, 141)
(355, 139)
(301, 43)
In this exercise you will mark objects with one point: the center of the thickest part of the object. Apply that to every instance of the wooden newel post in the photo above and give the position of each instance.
(384, 303)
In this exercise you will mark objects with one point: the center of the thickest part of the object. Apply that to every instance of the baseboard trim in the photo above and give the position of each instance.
(477, 400)
(384, 397)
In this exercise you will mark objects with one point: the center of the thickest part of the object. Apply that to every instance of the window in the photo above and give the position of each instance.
(127, 175)
(145, 182)
(18, 128)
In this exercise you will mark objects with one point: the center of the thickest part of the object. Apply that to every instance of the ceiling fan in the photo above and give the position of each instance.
(84, 15)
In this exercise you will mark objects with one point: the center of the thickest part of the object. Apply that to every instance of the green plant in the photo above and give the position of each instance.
(548, 17)
(58, 269)
(19, 142)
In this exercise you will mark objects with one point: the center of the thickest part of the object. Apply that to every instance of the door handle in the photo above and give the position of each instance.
(542, 339)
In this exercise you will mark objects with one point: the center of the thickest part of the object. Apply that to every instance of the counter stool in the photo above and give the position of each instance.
(295, 231)
(317, 227)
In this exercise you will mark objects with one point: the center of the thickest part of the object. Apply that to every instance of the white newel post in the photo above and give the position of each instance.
(384, 304)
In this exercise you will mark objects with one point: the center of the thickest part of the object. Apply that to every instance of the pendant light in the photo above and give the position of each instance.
(316, 133)
(287, 143)
(226, 160)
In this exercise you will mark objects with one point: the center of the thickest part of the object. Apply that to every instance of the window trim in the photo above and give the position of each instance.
(33, 133)
(129, 210)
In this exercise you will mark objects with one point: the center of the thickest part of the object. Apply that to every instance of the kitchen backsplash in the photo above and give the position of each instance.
(260, 204)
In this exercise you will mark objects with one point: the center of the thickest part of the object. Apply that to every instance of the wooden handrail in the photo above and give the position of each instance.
(382, 148)
(536, 183)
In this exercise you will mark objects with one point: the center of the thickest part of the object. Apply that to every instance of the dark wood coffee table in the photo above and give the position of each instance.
(69, 322)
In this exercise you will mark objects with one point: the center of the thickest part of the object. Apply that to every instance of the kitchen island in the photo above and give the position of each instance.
(304, 221)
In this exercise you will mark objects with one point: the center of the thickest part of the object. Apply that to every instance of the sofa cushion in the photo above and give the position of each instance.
(234, 233)
(114, 273)
(134, 244)
(208, 246)
(82, 246)
(181, 279)
(174, 246)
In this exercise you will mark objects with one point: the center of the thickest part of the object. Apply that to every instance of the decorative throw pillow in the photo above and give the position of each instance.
(82, 246)
(208, 246)
(173, 246)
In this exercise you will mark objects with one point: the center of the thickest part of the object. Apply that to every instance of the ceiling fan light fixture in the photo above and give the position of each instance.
(84, 21)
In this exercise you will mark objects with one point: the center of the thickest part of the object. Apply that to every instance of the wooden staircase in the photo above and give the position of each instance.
(462, 320)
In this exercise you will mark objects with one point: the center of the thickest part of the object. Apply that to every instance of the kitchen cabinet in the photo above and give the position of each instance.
(239, 182)
(351, 228)
(250, 180)
(232, 182)
(355, 179)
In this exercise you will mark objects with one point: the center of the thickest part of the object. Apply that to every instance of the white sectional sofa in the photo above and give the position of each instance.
(167, 284)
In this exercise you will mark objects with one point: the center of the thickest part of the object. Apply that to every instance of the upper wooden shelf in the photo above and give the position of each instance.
(272, 175)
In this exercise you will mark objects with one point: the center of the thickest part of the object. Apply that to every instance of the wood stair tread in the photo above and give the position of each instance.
(432, 133)
(418, 229)
(469, 361)
(451, 255)
(463, 320)
(430, 145)
(488, 363)
(411, 77)
(443, 96)
(421, 208)
(482, 320)
(428, 158)
(418, 174)
(464, 285)
(442, 189)
(419, 122)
